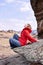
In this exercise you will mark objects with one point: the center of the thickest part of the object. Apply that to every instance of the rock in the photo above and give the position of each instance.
(32, 52)
(9, 57)
(37, 6)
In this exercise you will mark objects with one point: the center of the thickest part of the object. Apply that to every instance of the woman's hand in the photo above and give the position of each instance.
(29, 42)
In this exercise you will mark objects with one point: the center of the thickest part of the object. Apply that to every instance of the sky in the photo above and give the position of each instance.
(14, 14)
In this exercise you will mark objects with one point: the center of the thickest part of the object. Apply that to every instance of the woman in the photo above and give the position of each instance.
(25, 36)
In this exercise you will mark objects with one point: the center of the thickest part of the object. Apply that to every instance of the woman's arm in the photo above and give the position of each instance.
(30, 37)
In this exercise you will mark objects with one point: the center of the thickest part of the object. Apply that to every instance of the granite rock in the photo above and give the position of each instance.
(32, 52)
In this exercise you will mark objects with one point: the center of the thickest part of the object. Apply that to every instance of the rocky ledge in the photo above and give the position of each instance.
(32, 52)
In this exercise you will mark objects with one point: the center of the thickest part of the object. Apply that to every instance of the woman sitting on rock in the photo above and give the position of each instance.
(18, 41)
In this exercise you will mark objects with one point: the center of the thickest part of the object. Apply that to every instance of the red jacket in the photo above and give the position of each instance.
(25, 35)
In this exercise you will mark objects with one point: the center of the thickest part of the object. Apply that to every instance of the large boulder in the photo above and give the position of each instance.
(37, 6)
(32, 52)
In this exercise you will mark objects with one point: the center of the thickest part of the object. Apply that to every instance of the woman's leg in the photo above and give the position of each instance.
(14, 43)
(15, 36)
(11, 45)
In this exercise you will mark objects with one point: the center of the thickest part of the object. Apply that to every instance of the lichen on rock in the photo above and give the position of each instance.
(32, 52)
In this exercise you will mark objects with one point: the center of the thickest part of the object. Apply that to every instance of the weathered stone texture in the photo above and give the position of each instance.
(32, 52)
(37, 6)
(9, 57)
(27, 55)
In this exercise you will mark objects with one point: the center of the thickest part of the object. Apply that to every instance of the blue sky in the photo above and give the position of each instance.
(14, 14)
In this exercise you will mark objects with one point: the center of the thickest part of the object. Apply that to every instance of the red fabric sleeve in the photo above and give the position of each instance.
(30, 37)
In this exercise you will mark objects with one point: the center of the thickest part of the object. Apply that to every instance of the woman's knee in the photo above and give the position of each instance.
(15, 36)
